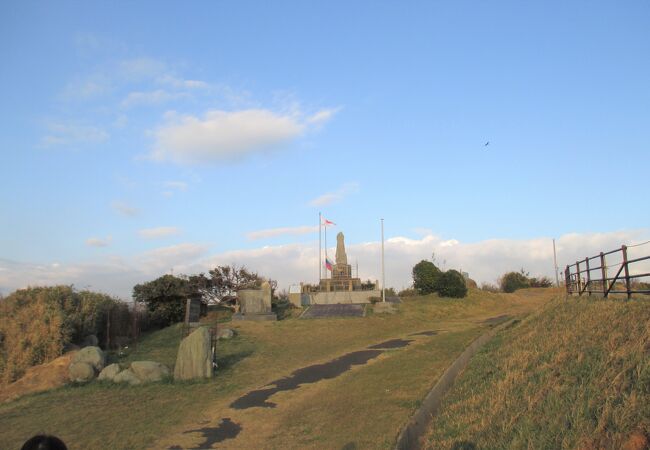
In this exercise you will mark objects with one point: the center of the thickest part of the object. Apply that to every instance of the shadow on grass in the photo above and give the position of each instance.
(227, 361)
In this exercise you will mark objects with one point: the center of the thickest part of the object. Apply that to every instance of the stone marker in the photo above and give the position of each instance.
(109, 372)
(149, 370)
(91, 355)
(194, 359)
(126, 376)
(81, 372)
(255, 304)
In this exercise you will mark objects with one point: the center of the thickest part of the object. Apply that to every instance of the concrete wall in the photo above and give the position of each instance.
(344, 297)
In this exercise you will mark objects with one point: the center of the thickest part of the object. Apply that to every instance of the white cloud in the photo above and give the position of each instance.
(222, 135)
(322, 116)
(293, 263)
(156, 97)
(158, 232)
(138, 69)
(226, 135)
(180, 83)
(338, 195)
(179, 185)
(124, 209)
(71, 134)
(99, 242)
(274, 232)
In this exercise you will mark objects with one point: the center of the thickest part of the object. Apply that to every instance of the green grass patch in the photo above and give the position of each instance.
(102, 415)
(574, 375)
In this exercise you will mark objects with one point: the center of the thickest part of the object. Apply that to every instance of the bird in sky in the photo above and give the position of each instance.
(487, 143)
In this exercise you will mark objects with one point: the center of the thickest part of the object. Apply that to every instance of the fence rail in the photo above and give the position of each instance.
(579, 277)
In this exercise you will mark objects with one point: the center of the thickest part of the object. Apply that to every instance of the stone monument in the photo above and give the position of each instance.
(342, 279)
(255, 304)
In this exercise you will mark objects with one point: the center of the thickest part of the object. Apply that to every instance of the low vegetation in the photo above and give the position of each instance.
(429, 279)
(36, 324)
(512, 281)
(100, 415)
(574, 375)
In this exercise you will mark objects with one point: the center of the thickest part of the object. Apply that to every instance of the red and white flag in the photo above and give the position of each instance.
(327, 222)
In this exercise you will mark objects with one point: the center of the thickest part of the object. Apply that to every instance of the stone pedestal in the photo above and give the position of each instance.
(255, 304)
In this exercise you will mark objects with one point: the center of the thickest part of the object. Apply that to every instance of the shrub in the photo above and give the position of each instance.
(543, 282)
(425, 277)
(451, 284)
(37, 323)
(408, 292)
(512, 281)
(489, 287)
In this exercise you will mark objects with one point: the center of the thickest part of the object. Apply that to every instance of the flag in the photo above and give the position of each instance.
(327, 222)
(328, 264)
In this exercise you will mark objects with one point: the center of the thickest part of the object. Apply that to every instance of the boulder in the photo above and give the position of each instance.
(91, 355)
(194, 359)
(90, 341)
(109, 372)
(126, 376)
(149, 370)
(81, 372)
(225, 333)
(39, 378)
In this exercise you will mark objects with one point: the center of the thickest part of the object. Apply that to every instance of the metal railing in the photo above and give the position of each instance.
(580, 279)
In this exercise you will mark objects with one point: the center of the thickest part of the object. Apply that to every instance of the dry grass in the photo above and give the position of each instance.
(353, 407)
(574, 375)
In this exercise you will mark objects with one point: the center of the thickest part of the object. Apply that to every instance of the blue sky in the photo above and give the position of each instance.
(143, 136)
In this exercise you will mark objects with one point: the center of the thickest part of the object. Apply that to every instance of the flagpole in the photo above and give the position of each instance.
(320, 248)
(383, 273)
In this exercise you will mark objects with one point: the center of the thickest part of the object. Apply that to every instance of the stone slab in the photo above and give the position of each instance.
(327, 311)
(255, 317)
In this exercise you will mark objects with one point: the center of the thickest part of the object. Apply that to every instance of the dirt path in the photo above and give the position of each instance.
(251, 419)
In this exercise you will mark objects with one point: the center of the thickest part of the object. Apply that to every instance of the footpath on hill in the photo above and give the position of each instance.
(357, 399)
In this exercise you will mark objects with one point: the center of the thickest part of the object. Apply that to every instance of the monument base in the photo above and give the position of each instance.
(255, 317)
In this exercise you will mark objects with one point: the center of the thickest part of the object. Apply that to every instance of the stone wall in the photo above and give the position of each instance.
(344, 297)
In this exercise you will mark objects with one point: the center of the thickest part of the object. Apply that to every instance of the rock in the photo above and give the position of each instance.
(194, 359)
(225, 333)
(81, 372)
(109, 372)
(126, 376)
(90, 341)
(93, 356)
(39, 378)
(149, 370)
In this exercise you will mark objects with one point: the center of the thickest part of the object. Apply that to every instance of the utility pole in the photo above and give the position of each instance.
(320, 247)
(557, 279)
(383, 272)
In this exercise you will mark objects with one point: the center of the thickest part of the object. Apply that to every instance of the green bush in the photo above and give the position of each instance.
(451, 284)
(425, 277)
(512, 281)
(37, 323)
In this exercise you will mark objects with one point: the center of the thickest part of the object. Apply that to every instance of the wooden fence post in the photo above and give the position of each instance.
(588, 285)
(627, 273)
(567, 280)
(603, 272)
(578, 280)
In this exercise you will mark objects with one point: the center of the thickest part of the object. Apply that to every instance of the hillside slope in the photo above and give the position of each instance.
(574, 375)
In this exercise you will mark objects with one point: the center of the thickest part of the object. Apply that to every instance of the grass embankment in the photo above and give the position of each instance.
(365, 406)
(574, 375)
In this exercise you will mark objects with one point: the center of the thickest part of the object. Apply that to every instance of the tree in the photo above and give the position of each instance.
(451, 284)
(512, 281)
(164, 298)
(223, 282)
(425, 277)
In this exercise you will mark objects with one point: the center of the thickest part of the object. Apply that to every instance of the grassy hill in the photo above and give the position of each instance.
(365, 407)
(574, 375)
